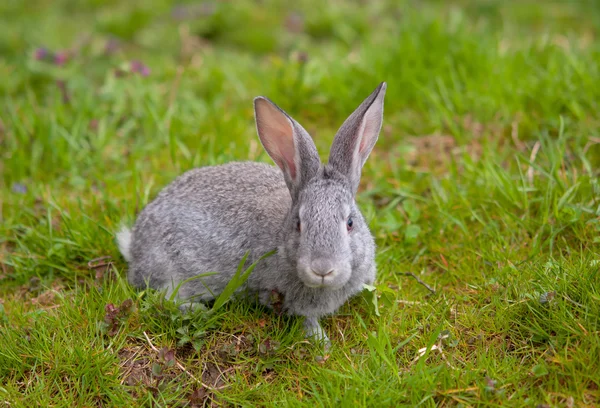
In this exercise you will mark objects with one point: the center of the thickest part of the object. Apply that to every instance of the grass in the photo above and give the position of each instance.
(483, 184)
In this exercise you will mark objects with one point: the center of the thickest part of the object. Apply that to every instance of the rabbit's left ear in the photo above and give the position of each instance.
(288, 144)
(357, 136)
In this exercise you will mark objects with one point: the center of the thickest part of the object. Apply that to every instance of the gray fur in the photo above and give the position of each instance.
(209, 217)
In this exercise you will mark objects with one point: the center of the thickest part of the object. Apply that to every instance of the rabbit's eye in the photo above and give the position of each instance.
(349, 224)
(298, 226)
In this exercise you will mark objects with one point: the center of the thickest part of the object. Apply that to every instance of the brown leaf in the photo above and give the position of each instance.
(197, 397)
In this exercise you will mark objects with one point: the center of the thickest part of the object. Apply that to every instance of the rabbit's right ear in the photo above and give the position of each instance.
(357, 136)
(288, 144)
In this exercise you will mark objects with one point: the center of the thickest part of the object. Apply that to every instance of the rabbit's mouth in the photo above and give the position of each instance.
(323, 274)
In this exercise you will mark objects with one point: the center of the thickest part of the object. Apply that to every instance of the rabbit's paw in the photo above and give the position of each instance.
(313, 330)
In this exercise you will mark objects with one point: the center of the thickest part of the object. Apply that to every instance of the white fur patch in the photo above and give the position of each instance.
(124, 241)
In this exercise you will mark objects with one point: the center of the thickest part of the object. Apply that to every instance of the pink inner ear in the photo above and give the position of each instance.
(277, 135)
(370, 128)
(287, 153)
(364, 137)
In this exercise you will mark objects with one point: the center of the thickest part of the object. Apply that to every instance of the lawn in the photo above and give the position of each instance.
(482, 192)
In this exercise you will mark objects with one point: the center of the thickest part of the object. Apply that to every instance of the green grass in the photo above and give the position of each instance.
(484, 184)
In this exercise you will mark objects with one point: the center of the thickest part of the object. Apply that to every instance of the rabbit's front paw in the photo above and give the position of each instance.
(312, 329)
(190, 307)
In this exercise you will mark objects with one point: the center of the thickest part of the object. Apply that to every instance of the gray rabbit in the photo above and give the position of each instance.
(208, 218)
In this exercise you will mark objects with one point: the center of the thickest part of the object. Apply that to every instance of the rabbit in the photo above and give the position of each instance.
(209, 217)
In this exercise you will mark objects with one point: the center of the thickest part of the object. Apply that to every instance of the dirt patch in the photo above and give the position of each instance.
(6, 249)
(46, 299)
(36, 297)
(147, 368)
(144, 369)
(435, 152)
(136, 366)
(102, 268)
(430, 150)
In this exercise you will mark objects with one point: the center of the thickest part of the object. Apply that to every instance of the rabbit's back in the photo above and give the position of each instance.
(205, 221)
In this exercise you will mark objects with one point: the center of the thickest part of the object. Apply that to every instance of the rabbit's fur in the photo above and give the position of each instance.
(208, 218)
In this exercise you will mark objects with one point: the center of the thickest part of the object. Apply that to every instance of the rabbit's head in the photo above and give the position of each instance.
(325, 234)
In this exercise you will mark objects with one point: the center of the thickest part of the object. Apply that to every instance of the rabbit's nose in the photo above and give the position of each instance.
(322, 267)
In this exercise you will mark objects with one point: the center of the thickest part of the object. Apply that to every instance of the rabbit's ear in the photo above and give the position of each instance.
(357, 136)
(288, 144)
